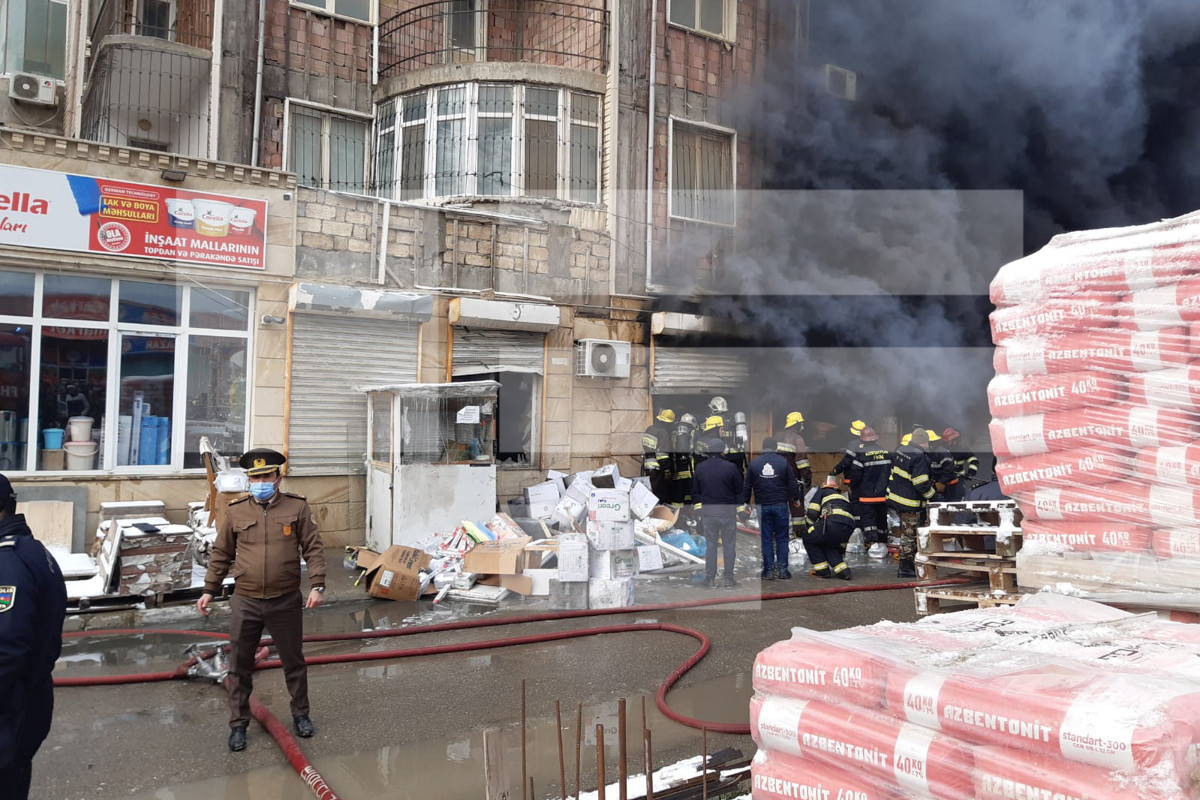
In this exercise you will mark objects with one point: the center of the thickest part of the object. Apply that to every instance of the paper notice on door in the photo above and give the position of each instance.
(468, 415)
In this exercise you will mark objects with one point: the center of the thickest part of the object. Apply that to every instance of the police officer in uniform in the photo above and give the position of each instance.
(261, 540)
(33, 604)
(832, 526)
(656, 458)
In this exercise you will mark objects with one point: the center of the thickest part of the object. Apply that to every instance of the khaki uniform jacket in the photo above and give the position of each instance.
(263, 545)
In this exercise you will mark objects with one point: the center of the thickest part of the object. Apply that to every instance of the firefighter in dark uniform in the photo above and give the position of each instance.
(869, 473)
(966, 465)
(261, 540)
(791, 445)
(832, 525)
(33, 604)
(910, 489)
(656, 460)
(941, 467)
(735, 433)
(683, 438)
(842, 468)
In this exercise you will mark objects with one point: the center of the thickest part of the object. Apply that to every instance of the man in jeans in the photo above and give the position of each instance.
(717, 490)
(772, 482)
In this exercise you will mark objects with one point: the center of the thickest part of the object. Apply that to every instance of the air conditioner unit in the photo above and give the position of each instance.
(841, 82)
(601, 358)
(36, 89)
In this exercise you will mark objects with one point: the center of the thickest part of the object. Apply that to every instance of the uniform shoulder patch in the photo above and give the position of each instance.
(8, 598)
(241, 499)
(8, 543)
(297, 496)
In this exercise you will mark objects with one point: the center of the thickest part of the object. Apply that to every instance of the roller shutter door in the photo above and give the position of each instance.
(331, 355)
(699, 370)
(479, 352)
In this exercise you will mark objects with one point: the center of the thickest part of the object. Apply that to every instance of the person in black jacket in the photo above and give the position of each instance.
(909, 491)
(717, 489)
(772, 482)
(869, 472)
(33, 604)
(833, 524)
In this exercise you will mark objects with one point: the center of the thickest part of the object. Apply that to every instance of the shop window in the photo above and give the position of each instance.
(515, 435)
(102, 393)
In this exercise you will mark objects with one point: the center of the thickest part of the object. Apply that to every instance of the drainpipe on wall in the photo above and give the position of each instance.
(650, 137)
(258, 75)
(614, 90)
(214, 81)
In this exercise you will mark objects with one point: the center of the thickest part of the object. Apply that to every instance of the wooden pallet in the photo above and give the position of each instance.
(929, 601)
(1001, 572)
(969, 543)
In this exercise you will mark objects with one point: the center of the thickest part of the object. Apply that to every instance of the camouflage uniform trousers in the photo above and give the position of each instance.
(909, 522)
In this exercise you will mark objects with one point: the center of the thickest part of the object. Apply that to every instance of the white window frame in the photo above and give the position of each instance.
(116, 331)
(327, 112)
(563, 142)
(327, 7)
(481, 22)
(729, 32)
(733, 149)
(17, 43)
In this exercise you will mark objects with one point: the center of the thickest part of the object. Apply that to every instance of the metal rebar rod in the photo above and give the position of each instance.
(648, 751)
(523, 772)
(704, 764)
(562, 766)
(578, 747)
(599, 762)
(622, 766)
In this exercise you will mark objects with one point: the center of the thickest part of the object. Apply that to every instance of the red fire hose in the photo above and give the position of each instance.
(314, 780)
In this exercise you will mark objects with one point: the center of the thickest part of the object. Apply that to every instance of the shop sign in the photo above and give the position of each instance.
(59, 211)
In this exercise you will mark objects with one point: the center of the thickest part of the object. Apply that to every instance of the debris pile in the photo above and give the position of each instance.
(1052, 697)
(1096, 408)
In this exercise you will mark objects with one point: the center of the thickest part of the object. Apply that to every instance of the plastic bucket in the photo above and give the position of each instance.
(81, 429)
(52, 438)
(81, 455)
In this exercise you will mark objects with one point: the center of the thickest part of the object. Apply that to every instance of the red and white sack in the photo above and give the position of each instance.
(899, 754)
(1086, 466)
(1021, 395)
(1097, 536)
(1172, 466)
(820, 667)
(1134, 427)
(1177, 543)
(1054, 317)
(776, 776)
(1002, 773)
(1162, 307)
(1115, 350)
(1128, 501)
(1177, 387)
(1111, 721)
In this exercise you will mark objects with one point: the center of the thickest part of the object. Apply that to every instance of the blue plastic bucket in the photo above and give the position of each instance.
(52, 438)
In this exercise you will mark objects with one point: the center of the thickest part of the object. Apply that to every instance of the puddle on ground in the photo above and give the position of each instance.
(453, 770)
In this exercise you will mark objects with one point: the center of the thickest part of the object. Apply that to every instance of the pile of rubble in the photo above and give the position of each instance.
(579, 540)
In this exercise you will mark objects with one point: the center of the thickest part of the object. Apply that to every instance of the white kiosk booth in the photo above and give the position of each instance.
(429, 459)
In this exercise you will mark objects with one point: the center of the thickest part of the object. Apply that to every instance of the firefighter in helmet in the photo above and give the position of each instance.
(683, 436)
(868, 480)
(735, 431)
(966, 465)
(909, 491)
(832, 526)
(656, 458)
(791, 446)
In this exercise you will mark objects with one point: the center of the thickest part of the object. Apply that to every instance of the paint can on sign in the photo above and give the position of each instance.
(1019, 395)
(1118, 425)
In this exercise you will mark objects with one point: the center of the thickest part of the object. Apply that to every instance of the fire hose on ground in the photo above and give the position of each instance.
(197, 664)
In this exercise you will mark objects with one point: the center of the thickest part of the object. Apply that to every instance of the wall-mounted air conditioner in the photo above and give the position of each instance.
(841, 82)
(36, 89)
(601, 358)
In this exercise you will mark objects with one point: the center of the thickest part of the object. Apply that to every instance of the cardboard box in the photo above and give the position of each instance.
(573, 554)
(504, 527)
(541, 499)
(606, 477)
(568, 513)
(623, 484)
(608, 505)
(559, 479)
(394, 574)
(616, 593)
(649, 557)
(497, 558)
(612, 564)
(538, 553)
(610, 535)
(568, 596)
(641, 501)
(580, 486)
(53, 459)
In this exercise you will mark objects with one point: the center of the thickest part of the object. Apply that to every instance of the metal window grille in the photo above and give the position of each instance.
(702, 175)
(327, 150)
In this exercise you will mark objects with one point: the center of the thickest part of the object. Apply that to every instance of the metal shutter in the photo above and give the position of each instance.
(327, 428)
(478, 352)
(699, 370)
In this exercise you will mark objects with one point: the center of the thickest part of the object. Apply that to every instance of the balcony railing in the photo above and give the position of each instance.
(186, 22)
(529, 31)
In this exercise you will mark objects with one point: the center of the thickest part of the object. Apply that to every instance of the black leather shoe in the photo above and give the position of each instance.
(768, 576)
(729, 580)
(844, 574)
(907, 570)
(237, 739)
(304, 726)
(710, 582)
(785, 576)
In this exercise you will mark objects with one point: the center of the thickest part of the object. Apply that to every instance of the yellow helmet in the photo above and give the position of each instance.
(794, 418)
(666, 415)
(933, 437)
(857, 427)
(906, 439)
(713, 422)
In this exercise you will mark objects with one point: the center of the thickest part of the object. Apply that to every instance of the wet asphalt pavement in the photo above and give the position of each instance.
(413, 727)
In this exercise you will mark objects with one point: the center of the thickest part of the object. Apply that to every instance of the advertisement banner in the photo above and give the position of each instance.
(59, 211)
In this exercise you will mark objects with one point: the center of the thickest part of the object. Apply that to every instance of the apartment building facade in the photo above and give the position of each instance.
(443, 191)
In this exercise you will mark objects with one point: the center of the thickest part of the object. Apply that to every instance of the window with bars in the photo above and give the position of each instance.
(327, 150)
(702, 174)
(714, 17)
(33, 37)
(497, 140)
(353, 9)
